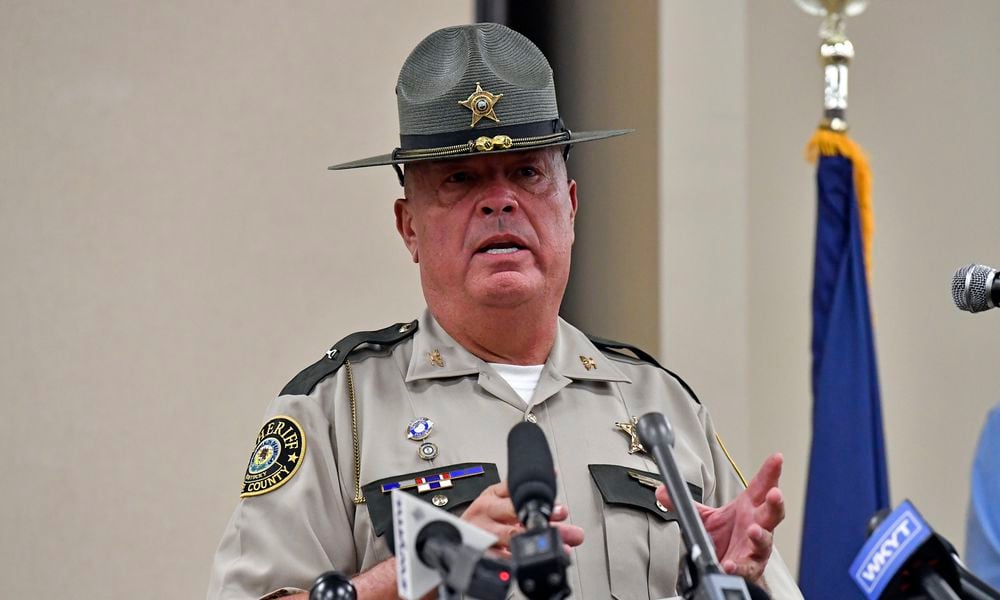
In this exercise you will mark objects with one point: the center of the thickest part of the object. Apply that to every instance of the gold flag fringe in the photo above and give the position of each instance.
(832, 143)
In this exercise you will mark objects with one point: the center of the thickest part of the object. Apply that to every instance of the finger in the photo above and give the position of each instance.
(500, 490)
(762, 542)
(503, 553)
(570, 534)
(559, 513)
(751, 570)
(664, 497)
(772, 512)
(501, 510)
(504, 533)
(766, 478)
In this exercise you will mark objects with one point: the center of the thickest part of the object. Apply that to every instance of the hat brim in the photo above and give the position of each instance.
(575, 137)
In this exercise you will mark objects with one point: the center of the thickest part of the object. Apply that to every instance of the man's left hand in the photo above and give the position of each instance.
(743, 529)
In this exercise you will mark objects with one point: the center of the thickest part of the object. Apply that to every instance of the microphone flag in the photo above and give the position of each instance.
(847, 466)
(889, 547)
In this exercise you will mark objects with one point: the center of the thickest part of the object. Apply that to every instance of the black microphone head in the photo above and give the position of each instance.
(757, 592)
(971, 288)
(530, 474)
(654, 430)
(333, 585)
(437, 530)
(876, 519)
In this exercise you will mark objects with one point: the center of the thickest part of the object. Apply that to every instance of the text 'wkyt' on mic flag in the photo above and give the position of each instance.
(847, 466)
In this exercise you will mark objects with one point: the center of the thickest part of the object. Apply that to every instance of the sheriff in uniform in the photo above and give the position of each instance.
(425, 406)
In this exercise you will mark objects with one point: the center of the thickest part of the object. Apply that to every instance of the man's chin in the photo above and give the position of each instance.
(507, 289)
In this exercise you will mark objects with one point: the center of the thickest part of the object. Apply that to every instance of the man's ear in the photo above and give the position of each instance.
(404, 225)
(572, 201)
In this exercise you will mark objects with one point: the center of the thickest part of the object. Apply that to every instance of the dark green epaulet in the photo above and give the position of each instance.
(619, 348)
(309, 378)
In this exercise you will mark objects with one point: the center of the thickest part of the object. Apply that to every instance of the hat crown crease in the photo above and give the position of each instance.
(446, 66)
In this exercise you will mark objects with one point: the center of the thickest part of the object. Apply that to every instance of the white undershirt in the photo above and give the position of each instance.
(524, 379)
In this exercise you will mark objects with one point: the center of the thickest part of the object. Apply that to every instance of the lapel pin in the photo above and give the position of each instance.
(427, 451)
(588, 363)
(419, 429)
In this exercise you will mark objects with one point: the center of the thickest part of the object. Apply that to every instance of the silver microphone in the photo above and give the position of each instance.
(975, 288)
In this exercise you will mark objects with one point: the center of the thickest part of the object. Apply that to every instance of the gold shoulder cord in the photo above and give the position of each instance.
(731, 461)
(358, 498)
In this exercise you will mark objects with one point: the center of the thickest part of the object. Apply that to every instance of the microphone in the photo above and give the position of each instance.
(904, 559)
(439, 546)
(434, 547)
(971, 586)
(975, 288)
(538, 556)
(333, 585)
(705, 577)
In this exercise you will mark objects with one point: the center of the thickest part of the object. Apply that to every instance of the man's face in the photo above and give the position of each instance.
(490, 230)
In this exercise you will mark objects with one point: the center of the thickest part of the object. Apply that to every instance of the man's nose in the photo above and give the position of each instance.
(498, 199)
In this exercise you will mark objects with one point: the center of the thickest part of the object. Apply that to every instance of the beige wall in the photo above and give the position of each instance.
(602, 84)
(703, 208)
(174, 249)
(173, 252)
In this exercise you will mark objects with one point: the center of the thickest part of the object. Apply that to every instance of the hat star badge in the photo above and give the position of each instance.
(481, 102)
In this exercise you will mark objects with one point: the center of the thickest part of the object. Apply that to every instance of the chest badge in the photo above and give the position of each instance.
(628, 427)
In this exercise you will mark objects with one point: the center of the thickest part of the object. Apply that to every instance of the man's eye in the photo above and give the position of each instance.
(527, 171)
(458, 177)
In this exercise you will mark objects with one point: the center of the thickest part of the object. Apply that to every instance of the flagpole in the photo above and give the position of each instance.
(836, 52)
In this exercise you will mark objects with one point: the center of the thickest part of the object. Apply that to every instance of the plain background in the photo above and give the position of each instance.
(173, 249)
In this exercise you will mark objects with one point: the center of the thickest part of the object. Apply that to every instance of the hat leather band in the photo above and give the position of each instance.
(441, 145)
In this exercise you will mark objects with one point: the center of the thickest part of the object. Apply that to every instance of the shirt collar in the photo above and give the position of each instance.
(576, 357)
(437, 355)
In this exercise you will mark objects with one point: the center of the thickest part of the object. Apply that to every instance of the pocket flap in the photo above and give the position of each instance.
(624, 486)
(453, 486)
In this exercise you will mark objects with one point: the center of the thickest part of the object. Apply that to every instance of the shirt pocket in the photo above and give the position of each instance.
(641, 538)
(450, 488)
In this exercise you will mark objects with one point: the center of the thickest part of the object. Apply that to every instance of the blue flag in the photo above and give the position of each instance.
(847, 467)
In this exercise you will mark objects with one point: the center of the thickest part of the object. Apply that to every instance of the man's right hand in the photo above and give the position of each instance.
(493, 511)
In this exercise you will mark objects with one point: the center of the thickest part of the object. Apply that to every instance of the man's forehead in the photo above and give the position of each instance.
(492, 160)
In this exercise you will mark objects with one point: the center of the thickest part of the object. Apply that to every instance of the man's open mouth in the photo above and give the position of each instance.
(507, 246)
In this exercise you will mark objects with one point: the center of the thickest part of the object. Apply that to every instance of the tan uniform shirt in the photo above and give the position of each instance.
(310, 524)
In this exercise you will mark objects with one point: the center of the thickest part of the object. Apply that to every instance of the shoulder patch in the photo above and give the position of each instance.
(304, 383)
(629, 351)
(280, 450)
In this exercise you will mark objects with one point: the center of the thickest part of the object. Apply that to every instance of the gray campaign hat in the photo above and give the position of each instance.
(476, 89)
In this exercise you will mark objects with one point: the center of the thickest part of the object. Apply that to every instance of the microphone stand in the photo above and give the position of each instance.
(706, 579)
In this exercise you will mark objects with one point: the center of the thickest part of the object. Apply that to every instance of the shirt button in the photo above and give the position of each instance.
(439, 500)
(531, 418)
